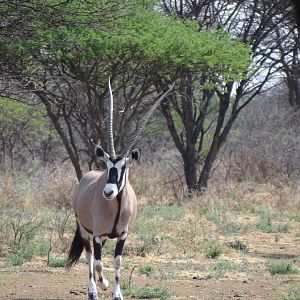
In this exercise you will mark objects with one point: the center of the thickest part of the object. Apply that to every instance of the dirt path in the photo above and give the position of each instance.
(37, 281)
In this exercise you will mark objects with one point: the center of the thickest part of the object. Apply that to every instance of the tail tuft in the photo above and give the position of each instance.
(75, 249)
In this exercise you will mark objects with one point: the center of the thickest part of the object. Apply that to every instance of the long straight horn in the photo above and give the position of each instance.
(112, 152)
(143, 122)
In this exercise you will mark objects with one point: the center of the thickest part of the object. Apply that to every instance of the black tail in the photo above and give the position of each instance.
(76, 249)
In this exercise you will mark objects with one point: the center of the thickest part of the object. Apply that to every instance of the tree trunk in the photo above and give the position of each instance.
(190, 167)
(291, 84)
(204, 176)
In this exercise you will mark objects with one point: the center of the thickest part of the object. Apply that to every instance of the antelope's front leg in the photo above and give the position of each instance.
(98, 243)
(92, 288)
(117, 295)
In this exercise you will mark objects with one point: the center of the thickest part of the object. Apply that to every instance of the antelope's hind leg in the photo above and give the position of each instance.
(98, 243)
(117, 295)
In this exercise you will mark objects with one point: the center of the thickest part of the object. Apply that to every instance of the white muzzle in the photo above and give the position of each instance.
(110, 191)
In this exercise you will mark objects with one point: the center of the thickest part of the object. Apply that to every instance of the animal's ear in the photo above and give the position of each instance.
(136, 154)
(100, 153)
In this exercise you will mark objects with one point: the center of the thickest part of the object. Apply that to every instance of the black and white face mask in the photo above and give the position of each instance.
(116, 172)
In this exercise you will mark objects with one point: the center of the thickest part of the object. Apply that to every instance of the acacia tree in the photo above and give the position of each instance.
(207, 106)
(56, 54)
(65, 63)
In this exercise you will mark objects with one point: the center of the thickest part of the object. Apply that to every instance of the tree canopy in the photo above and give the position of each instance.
(62, 52)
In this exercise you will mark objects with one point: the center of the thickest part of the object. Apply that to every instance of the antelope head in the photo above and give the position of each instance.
(116, 164)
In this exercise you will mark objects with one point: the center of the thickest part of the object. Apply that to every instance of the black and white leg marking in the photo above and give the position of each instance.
(92, 287)
(117, 295)
(103, 283)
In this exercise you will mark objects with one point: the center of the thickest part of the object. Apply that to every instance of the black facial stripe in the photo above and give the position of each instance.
(113, 175)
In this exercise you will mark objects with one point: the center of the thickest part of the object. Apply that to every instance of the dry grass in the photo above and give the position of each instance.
(179, 238)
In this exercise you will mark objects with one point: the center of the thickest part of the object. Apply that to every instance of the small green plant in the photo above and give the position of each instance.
(294, 295)
(281, 267)
(149, 292)
(294, 217)
(57, 262)
(214, 250)
(147, 270)
(21, 255)
(223, 266)
(238, 245)
(219, 269)
(266, 226)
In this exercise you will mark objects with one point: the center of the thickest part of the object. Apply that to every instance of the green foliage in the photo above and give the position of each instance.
(149, 223)
(149, 292)
(146, 270)
(21, 255)
(131, 29)
(19, 119)
(162, 211)
(265, 225)
(214, 250)
(294, 295)
(220, 216)
(281, 267)
(57, 262)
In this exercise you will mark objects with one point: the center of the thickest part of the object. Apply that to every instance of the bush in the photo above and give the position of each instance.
(213, 251)
(57, 262)
(281, 267)
(21, 255)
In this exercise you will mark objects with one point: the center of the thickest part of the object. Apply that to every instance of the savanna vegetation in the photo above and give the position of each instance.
(218, 182)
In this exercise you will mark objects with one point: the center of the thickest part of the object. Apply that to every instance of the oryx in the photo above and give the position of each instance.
(105, 206)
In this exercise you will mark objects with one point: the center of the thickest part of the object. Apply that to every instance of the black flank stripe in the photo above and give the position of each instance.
(114, 230)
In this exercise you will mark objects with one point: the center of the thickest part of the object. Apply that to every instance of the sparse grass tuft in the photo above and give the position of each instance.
(238, 245)
(149, 292)
(57, 262)
(265, 225)
(223, 266)
(213, 251)
(146, 270)
(281, 267)
(294, 295)
(162, 211)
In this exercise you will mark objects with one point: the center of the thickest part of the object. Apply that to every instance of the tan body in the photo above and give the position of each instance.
(98, 215)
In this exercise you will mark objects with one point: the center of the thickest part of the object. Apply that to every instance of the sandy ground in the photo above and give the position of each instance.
(36, 281)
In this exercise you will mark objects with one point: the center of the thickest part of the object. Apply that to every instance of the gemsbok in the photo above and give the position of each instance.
(105, 206)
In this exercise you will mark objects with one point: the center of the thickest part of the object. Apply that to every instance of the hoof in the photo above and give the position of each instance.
(118, 297)
(92, 296)
(103, 284)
